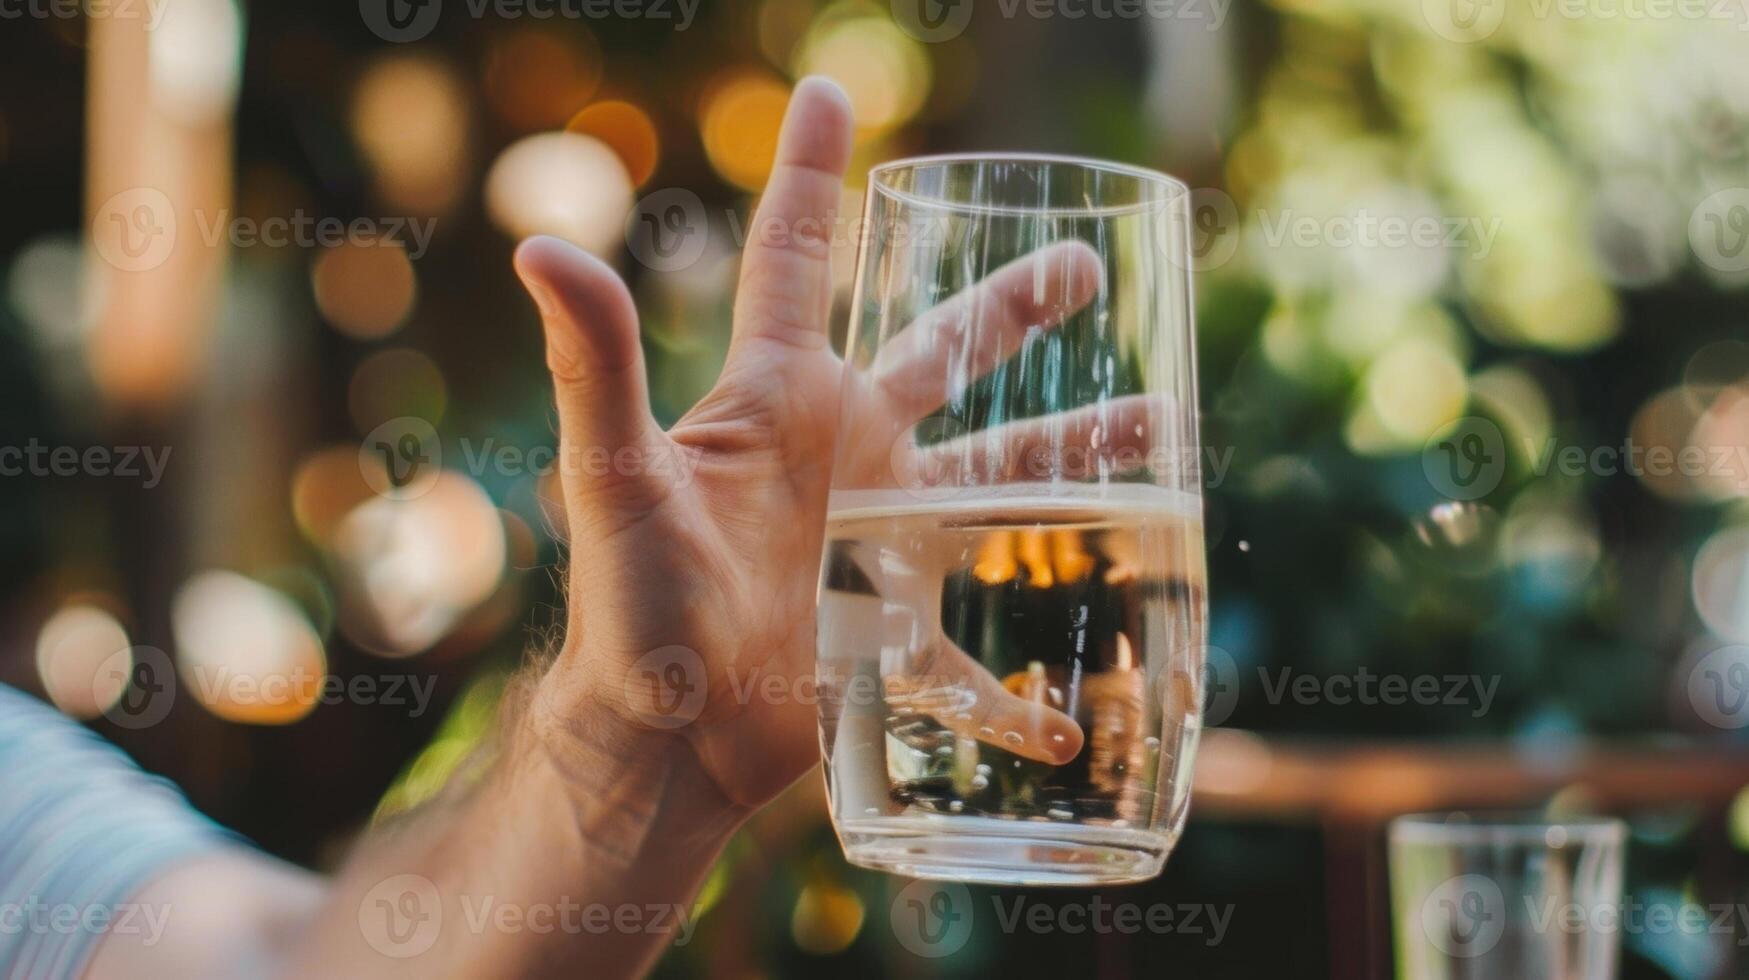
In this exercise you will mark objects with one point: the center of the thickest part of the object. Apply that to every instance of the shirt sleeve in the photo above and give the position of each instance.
(82, 830)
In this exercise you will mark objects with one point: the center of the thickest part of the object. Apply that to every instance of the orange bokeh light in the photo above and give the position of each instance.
(535, 79)
(365, 291)
(627, 130)
(741, 118)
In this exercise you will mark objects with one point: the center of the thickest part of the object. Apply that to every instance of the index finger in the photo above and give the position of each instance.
(785, 292)
(974, 331)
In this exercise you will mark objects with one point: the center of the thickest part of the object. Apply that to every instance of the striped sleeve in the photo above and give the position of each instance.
(82, 830)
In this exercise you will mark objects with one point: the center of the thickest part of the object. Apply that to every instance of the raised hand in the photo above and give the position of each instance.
(687, 597)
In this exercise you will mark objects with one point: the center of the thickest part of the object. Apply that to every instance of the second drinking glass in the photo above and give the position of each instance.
(1012, 607)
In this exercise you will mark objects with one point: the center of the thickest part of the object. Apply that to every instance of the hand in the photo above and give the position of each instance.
(687, 595)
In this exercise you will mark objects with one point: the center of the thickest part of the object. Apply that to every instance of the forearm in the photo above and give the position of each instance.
(580, 851)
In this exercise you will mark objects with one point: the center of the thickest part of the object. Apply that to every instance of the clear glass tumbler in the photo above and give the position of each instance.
(1012, 609)
(1506, 896)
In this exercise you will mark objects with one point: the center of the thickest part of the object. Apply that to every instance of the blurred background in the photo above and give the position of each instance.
(1474, 342)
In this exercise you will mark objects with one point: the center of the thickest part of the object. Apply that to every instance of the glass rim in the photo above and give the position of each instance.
(1464, 827)
(1176, 190)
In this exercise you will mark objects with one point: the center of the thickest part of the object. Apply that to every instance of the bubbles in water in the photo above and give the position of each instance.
(1461, 534)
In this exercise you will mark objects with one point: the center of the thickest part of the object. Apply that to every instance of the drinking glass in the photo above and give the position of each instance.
(1011, 605)
(1506, 896)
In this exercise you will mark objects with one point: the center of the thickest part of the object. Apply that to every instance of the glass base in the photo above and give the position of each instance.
(981, 850)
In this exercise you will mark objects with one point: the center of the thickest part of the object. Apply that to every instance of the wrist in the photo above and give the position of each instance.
(625, 785)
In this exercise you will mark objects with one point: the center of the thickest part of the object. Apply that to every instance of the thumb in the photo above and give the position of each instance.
(606, 432)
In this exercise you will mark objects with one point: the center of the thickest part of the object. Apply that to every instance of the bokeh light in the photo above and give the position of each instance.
(1661, 430)
(327, 485)
(1412, 390)
(410, 117)
(1550, 539)
(1721, 435)
(365, 291)
(45, 286)
(1721, 584)
(245, 651)
(195, 60)
(885, 71)
(628, 132)
(740, 115)
(410, 569)
(83, 659)
(827, 918)
(561, 184)
(393, 383)
(1461, 535)
(781, 26)
(536, 78)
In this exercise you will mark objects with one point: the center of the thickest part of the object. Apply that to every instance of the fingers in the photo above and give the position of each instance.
(963, 697)
(596, 360)
(786, 283)
(972, 333)
(1118, 436)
